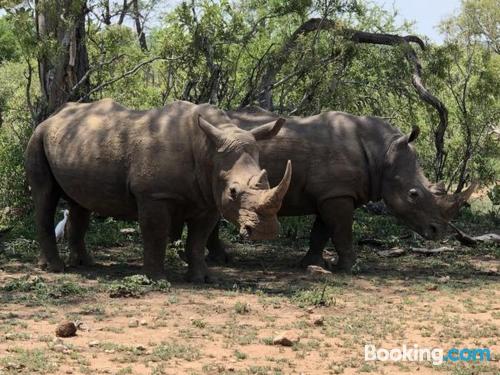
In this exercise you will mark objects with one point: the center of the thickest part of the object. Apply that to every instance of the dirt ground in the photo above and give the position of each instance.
(130, 326)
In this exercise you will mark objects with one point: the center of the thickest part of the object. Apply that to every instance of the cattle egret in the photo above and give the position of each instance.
(61, 226)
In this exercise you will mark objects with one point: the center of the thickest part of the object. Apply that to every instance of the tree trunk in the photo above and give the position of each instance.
(123, 12)
(61, 68)
(138, 25)
(107, 13)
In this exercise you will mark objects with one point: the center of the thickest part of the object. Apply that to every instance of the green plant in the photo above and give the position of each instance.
(136, 286)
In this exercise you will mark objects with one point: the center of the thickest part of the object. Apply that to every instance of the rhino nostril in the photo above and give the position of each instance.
(434, 229)
(248, 230)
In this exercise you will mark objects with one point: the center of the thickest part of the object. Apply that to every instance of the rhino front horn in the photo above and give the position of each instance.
(452, 203)
(273, 197)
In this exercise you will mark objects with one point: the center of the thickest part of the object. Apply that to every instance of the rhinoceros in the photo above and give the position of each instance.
(341, 162)
(104, 158)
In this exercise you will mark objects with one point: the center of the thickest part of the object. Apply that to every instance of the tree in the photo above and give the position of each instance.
(63, 60)
(470, 73)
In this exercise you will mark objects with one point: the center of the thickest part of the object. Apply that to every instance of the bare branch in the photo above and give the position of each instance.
(128, 73)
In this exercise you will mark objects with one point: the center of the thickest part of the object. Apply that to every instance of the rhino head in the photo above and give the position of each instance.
(423, 206)
(241, 188)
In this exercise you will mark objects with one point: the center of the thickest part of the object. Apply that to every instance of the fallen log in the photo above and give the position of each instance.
(390, 253)
(426, 251)
(470, 241)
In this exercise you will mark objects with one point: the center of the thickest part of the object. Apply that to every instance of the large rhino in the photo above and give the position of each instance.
(145, 165)
(341, 162)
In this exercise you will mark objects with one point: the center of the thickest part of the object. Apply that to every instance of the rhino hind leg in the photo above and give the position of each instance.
(46, 194)
(199, 230)
(337, 214)
(154, 221)
(216, 248)
(78, 224)
(334, 221)
(317, 242)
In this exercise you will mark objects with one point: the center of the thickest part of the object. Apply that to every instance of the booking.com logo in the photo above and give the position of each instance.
(435, 355)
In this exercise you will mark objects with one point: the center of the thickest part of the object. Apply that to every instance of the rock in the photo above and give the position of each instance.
(317, 271)
(133, 323)
(81, 326)
(317, 320)
(143, 322)
(444, 279)
(109, 351)
(66, 329)
(286, 339)
(310, 310)
(94, 343)
(60, 348)
(141, 348)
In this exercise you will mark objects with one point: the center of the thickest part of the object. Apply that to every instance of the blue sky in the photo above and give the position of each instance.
(426, 13)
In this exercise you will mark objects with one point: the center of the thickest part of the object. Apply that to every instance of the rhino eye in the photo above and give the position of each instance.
(413, 194)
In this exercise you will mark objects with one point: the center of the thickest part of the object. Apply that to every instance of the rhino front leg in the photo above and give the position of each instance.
(317, 242)
(199, 230)
(78, 224)
(216, 247)
(154, 220)
(337, 214)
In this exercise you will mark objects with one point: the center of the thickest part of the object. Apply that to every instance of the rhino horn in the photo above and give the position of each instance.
(273, 197)
(262, 178)
(268, 130)
(439, 188)
(450, 204)
(216, 135)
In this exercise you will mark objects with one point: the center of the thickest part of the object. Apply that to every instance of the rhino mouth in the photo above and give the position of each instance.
(259, 232)
(432, 232)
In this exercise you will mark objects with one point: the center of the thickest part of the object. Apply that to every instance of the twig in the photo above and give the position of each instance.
(124, 75)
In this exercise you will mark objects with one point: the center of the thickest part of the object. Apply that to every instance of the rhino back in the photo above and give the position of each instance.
(333, 154)
(104, 156)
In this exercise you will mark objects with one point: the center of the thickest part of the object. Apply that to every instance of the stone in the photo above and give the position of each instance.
(66, 329)
(286, 339)
(317, 319)
(133, 323)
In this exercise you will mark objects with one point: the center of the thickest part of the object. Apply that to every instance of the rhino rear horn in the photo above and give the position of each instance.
(451, 204)
(268, 130)
(211, 131)
(273, 197)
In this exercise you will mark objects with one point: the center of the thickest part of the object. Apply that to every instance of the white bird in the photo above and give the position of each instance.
(61, 226)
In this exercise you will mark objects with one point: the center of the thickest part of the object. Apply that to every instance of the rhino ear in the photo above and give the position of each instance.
(268, 130)
(211, 131)
(414, 134)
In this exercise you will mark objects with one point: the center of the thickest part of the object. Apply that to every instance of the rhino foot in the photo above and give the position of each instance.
(56, 265)
(155, 274)
(219, 257)
(76, 260)
(313, 259)
(345, 264)
(198, 276)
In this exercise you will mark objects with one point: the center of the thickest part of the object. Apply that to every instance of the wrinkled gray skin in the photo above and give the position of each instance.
(145, 165)
(341, 162)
